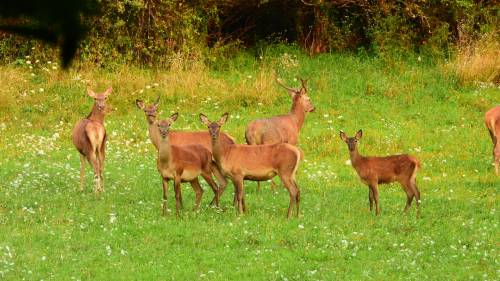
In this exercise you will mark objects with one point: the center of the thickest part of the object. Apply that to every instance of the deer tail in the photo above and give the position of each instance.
(416, 167)
(300, 156)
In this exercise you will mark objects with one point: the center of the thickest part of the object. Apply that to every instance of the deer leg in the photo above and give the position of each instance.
(297, 198)
(258, 186)
(374, 187)
(95, 165)
(222, 184)
(273, 185)
(370, 197)
(292, 190)
(497, 163)
(214, 187)
(409, 195)
(177, 188)
(82, 170)
(198, 192)
(416, 193)
(240, 193)
(165, 191)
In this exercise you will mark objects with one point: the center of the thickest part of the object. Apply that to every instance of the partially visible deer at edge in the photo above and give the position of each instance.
(492, 121)
(183, 163)
(89, 138)
(181, 138)
(282, 128)
(379, 170)
(255, 162)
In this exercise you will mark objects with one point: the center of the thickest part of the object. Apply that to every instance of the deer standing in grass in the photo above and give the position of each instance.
(492, 121)
(379, 170)
(282, 128)
(89, 137)
(182, 163)
(181, 138)
(255, 162)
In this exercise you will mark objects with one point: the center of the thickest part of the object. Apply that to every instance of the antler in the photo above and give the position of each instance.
(286, 87)
(303, 82)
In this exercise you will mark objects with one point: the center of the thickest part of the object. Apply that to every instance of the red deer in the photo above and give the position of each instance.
(282, 128)
(89, 137)
(255, 162)
(181, 138)
(492, 121)
(183, 163)
(379, 170)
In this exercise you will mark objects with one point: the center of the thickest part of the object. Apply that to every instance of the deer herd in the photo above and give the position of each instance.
(271, 150)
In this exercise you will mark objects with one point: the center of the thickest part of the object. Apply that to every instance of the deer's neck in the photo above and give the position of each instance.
(356, 158)
(150, 119)
(154, 135)
(298, 114)
(218, 149)
(164, 151)
(96, 115)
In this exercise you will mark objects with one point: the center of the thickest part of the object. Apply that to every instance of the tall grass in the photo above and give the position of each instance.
(479, 60)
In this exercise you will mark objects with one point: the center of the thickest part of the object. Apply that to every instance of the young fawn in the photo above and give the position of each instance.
(379, 170)
(89, 137)
(282, 128)
(492, 121)
(255, 162)
(181, 138)
(183, 163)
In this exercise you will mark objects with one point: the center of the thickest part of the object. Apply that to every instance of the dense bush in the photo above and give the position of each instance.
(152, 32)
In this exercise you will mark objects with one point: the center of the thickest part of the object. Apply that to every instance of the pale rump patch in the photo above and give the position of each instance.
(95, 132)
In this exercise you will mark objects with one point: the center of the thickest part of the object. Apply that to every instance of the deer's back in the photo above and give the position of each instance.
(386, 169)
(197, 138)
(88, 135)
(278, 129)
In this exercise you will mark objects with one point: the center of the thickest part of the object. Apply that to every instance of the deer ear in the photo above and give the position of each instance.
(204, 119)
(157, 102)
(174, 116)
(343, 136)
(139, 103)
(223, 119)
(91, 93)
(359, 134)
(108, 91)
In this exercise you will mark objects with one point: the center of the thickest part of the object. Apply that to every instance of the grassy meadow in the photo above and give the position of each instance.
(51, 231)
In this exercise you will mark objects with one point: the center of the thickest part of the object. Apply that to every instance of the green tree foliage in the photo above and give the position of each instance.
(152, 32)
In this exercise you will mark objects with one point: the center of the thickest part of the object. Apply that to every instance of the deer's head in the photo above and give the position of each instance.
(164, 125)
(351, 142)
(151, 109)
(100, 99)
(214, 127)
(299, 96)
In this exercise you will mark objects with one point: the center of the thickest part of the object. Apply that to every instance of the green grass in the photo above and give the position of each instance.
(50, 231)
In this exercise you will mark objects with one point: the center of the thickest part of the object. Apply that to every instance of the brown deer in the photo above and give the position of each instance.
(492, 121)
(89, 137)
(181, 138)
(255, 162)
(282, 128)
(379, 170)
(182, 163)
